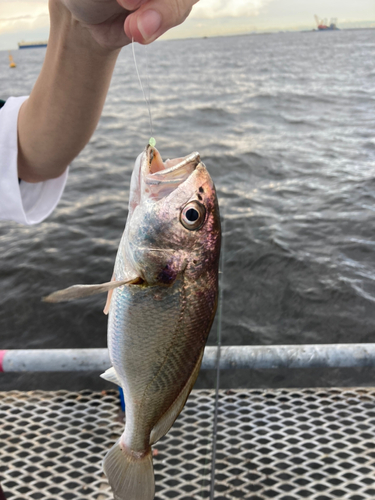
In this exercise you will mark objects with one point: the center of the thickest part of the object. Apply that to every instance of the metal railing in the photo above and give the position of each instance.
(231, 357)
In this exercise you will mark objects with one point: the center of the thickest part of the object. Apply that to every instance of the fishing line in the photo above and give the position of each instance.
(146, 51)
(216, 407)
(143, 90)
(216, 410)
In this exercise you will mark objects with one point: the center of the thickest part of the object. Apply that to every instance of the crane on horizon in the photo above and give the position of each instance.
(323, 24)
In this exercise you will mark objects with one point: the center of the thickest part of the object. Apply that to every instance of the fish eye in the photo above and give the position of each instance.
(193, 215)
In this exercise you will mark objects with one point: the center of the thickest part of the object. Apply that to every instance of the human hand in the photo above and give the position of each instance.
(114, 23)
(152, 18)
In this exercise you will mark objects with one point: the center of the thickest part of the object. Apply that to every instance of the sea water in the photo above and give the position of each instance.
(285, 124)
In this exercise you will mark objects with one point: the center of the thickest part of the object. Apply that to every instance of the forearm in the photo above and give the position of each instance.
(64, 107)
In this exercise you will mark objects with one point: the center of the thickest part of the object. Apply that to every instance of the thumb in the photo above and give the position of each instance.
(155, 17)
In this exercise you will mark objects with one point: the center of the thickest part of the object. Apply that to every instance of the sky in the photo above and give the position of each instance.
(28, 19)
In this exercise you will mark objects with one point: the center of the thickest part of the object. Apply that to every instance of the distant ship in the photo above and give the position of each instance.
(324, 26)
(31, 45)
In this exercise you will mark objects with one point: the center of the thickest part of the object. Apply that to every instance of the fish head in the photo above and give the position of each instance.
(173, 225)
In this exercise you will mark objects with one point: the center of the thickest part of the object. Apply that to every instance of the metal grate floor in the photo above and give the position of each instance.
(315, 444)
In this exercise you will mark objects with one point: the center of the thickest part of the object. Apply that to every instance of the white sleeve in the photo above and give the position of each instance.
(22, 202)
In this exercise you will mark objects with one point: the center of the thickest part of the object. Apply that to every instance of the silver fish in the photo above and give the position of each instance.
(161, 302)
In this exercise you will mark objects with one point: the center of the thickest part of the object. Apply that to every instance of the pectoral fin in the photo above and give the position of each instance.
(109, 298)
(167, 420)
(80, 291)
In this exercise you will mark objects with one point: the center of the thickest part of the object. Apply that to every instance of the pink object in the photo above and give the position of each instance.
(2, 354)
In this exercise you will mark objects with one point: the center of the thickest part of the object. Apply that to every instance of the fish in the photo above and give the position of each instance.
(161, 304)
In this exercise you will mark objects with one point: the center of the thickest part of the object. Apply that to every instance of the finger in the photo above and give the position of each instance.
(131, 5)
(155, 17)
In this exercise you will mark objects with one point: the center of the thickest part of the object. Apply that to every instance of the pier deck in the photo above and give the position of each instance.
(290, 444)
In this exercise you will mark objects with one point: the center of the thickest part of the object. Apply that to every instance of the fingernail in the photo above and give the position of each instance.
(149, 23)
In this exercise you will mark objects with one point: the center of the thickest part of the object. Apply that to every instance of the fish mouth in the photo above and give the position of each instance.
(162, 178)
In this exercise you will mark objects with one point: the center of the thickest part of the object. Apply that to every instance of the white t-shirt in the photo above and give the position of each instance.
(22, 202)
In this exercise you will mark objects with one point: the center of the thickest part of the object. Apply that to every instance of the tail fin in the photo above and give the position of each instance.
(130, 478)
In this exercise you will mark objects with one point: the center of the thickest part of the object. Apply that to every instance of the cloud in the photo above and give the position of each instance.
(210, 9)
(34, 15)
